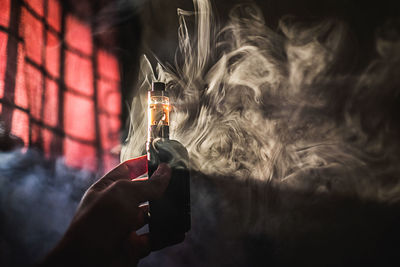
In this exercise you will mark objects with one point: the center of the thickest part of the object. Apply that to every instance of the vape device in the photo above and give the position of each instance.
(170, 215)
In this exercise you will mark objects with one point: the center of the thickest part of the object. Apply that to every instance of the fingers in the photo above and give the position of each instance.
(127, 170)
(150, 189)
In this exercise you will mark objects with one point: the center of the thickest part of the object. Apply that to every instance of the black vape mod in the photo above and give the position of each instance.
(170, 215)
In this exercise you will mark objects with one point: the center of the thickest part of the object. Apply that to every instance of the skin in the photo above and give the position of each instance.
(103, 230)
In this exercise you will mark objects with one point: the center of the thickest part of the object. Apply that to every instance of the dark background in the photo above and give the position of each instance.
(302, 230)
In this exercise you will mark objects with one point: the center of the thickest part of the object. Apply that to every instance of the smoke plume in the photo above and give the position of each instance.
(294, 154)
(254, 103)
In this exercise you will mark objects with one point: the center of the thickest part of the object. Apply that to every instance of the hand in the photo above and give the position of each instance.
(103, 230)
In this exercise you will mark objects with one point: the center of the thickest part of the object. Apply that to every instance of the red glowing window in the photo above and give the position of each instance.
(33, 83)
(21, 92)
(53, 45)
(47, 139)
(79, 73)
(109, 131)
(32, 30)
(109, 96)
(3, 60)
(107, 65)
(53, 94)
(36, 5)
(4, 13)
(80, 155)
(54, 14)
(78, 35)
(50, 115)
(20, 125)
(79, 116)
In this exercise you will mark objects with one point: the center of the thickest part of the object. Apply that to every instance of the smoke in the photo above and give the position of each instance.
(255, 103)
(37, 201)
(294, 153)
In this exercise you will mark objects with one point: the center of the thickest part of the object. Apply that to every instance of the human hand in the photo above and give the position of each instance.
(103, 230)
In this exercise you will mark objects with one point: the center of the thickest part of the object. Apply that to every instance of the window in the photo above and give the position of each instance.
(59, 89)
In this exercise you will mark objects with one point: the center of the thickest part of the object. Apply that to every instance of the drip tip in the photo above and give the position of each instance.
(158, 86)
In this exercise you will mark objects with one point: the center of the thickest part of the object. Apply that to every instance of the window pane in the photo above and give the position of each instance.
(79, 73)
(3, 60)
(54, 14)
(4, 13)
(52, 54)
(79, 116)
(36, 5)
(109, 97)
(35, 131)
(78, 35)
(51, 103)
(34, 86)
(20, 125)
(107, 65)
(21, 93)
(109, 131)
(80, 155)
(47, 138)
(32, 31)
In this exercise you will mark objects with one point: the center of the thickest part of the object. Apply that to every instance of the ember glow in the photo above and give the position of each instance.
(268, 105)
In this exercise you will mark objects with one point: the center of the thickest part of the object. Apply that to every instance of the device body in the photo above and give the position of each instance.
(170, 215)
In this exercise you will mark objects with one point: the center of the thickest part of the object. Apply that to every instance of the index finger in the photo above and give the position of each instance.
(144, 190)
(127, 170)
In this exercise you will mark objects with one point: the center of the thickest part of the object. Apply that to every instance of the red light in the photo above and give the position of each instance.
(52, 54)
(34, 89)
(109, 97)
(36, 5)
(32, 30)
(109, 131)
(47, 138)
(79, 117)
(137, 166)
(54, 14)
(4, 13)
(80, 155)
(51, 103)
(20, 93)
(107, 65)
(20, 125)
(78, 35)
(3, 60)
(79, 73)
